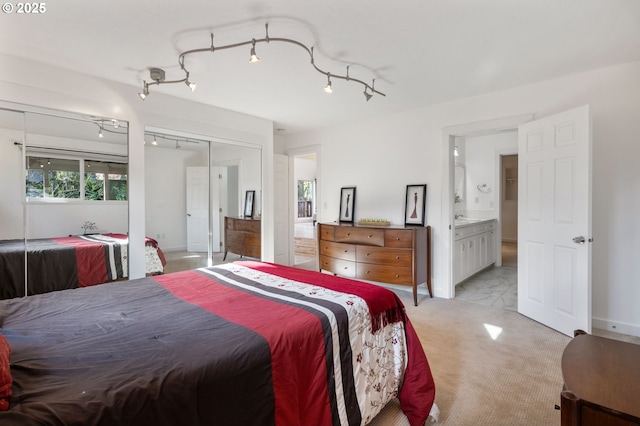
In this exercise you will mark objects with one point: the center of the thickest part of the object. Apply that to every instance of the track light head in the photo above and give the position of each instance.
(155, 142)
(253, 58)
(367, 95)
(328, 88)
(145, 91)
(100, 134)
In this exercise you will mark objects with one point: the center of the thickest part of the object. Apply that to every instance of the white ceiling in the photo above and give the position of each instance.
(421, 52)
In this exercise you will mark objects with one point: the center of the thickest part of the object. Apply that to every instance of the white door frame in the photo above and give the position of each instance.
(310, 149)
(449, 133)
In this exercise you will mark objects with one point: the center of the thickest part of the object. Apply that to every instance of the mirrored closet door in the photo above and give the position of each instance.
(64, 189)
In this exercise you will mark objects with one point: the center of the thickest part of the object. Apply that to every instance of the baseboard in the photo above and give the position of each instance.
(616, 327)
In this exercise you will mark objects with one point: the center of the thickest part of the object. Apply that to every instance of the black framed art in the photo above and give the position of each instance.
(415, 205)
(249, 207)
(347, 204)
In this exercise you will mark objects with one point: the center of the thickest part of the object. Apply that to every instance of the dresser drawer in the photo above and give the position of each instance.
(252, 240)
(385, 274)
(338, 250)
(251, 251)
(368, 236)
(246, 225)
(326, 232)
(235, 238)
(402, 238)
(345, 268)
(384, 256)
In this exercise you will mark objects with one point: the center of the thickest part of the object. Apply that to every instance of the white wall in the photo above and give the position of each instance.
(383, 155)
(249, 172)
(32, 83)
(11, 195)
(481, 161)
(165, 201)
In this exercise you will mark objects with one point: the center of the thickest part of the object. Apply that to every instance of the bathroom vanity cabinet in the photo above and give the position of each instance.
(474, 248)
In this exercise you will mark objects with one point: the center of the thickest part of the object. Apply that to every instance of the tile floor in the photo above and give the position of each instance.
(496, 286)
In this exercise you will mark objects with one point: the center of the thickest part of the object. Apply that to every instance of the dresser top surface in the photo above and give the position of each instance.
(604, 372)
(356, 225)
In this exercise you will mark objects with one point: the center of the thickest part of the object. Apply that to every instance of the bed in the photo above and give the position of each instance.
(235, 344)
(69, 262)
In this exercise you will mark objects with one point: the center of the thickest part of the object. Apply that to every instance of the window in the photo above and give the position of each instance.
(101, 177)
(305, 198)
(68, 178)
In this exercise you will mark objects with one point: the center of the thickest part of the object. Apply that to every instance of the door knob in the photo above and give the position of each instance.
(189, 214)
(579, 240)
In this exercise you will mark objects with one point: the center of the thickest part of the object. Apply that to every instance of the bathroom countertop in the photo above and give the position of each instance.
(465, 221)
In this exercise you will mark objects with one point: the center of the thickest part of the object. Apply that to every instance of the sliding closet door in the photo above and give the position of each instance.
(12, 207)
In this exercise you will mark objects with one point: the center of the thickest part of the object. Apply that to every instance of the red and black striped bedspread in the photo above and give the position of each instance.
(246, 343)
(66, 262)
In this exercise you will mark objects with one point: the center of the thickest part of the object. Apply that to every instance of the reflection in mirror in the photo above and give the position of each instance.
(459, 184)
(69, 175)
(192, 183)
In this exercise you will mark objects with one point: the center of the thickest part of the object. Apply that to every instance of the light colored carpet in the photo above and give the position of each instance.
(514, 379)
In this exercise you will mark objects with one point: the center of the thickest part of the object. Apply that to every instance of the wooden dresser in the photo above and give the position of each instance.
(242, 236)
(393, 254)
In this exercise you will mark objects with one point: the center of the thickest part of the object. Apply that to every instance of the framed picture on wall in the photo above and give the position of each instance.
(249, 207)
(347, 204)
(415, 205)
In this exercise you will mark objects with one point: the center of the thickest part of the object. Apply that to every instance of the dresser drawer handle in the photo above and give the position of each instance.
(397, 238)
(368, 254)
(348, 234)
(346, 267)
(346, 251)
(370, 236)
(397, 257)
(397, 275)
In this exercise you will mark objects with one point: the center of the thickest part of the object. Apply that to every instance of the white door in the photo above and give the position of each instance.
(281, 209)
(197, 209)
(554, 220)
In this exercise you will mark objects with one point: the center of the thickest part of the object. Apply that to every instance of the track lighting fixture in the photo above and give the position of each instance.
(157, 75)
(155, 141)
(100, 134)
(328, 88)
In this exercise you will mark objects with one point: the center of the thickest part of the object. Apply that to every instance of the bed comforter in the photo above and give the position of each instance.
(237, 344)
(68, 262)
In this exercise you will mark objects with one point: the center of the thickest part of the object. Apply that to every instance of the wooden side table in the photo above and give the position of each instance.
(602, 382)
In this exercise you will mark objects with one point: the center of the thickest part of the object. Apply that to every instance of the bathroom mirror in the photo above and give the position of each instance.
(459, 183)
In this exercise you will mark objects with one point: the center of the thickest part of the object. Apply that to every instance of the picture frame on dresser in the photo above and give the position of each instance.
(347, 204)
(415, 205)
(249, 207)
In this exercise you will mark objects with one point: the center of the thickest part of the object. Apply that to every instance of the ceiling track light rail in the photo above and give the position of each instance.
(157, 75)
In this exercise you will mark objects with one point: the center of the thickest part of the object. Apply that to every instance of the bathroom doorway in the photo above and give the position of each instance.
(490, 161)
